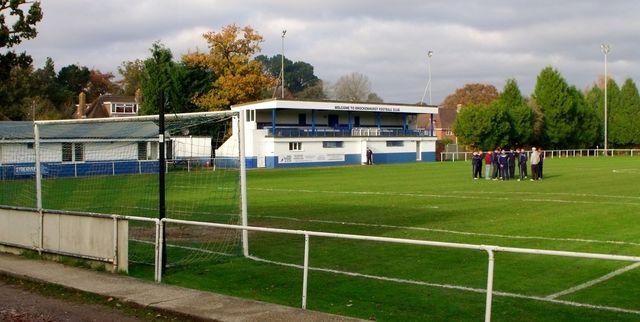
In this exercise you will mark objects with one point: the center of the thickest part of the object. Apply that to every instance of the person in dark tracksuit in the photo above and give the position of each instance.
(511, 161)
(522, 163)
(504, 165)
(476, 165)
(494, 161)
(541, 151)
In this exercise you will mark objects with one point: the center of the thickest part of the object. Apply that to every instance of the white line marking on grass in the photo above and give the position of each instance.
(454, 196)
(594, 282)
(552, 194)
(590, 241)
(455, 287)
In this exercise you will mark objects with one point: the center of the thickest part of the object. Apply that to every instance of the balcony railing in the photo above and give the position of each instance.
(343, 132)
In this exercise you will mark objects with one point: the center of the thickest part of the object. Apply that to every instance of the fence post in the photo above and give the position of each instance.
(243, 181)
(38, 175)
(115, 244)
(487, 312)
(305, 272)
(159, 245)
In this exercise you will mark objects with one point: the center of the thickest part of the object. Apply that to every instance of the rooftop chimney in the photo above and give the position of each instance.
(82, 101)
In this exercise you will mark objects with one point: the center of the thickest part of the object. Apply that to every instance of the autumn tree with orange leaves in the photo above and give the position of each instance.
(240, 78)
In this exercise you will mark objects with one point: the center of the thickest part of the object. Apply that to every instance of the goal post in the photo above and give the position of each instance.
(111, 166)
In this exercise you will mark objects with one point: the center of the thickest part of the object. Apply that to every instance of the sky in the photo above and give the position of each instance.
(485, 41)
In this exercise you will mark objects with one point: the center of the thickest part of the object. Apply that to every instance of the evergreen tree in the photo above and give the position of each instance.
(556, 102)
(626, 119)
(519, 113)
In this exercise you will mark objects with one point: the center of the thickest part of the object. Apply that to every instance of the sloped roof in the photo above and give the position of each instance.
(97, 108)
(21, 130)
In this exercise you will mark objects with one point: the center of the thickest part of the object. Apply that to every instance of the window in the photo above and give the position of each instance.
(295, 146)
(72, 152)
(78, 151)
(302, 119)
(332, 144)
(250, 115)
(30, 146)
(67, 155)
(356, 121)
(142, 151)
(395, 143)
(124, 108)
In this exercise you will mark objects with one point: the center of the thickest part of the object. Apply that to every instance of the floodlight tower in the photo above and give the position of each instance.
(428, 87)
(605, 51)
(282, 64)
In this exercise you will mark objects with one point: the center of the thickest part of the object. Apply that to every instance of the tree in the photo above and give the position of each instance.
(156, 77)
(297, 76)
(74, 78)
(354, 87)
(239, 77)
(180, 83)
(519, 113)
(314, 92)
(23, 27)
(131, 72)
(483, 126)
(100, 84)
(624, 116)
(471, 94)
(13, 90)
(559, 107)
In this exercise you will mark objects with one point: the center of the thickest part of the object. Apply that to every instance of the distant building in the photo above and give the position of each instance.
(290, 133)
(108, 106)
(444, 124)
(79, 149)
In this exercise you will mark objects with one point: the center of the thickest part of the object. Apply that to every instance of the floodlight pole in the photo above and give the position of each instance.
(428, 87)
(161, 184)
(282, 64)
(605, 51)
(429, 54)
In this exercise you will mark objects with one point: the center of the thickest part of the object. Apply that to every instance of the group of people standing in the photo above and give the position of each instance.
(501, 164)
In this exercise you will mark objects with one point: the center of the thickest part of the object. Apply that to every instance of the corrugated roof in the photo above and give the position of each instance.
(117, 130)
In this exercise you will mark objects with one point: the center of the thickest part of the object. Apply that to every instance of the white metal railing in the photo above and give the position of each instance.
(568, 153)
(490, 249)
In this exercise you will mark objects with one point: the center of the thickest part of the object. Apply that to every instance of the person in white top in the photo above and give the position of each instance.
(535, 160)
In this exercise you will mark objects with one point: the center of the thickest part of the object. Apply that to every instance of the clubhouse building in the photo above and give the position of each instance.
(293, 133)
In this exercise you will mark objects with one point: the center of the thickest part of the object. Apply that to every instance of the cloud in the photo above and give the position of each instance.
(473, 42)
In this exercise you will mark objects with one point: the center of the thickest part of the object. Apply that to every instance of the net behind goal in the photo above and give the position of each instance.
(111, 166)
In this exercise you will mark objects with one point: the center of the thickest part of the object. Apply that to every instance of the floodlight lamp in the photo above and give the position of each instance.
(605, 49)
(283, 33)
(430, 53)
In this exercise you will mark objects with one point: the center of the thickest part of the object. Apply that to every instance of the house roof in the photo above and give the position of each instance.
(97, 108)
(130, 131)
(337, 106)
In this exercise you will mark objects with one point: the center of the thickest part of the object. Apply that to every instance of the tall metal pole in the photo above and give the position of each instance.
(429, 54)
(605, 51)
(428, 87)
(161, 178)
(282, 64)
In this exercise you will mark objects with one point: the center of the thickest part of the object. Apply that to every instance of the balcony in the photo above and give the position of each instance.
(300, 132)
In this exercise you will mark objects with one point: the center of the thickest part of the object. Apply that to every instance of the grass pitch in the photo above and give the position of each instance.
(588, 204)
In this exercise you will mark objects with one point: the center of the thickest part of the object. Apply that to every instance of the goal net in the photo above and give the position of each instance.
(111, 166)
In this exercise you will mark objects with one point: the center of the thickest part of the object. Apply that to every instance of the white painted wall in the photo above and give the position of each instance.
(52, 152)
(66, 234)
